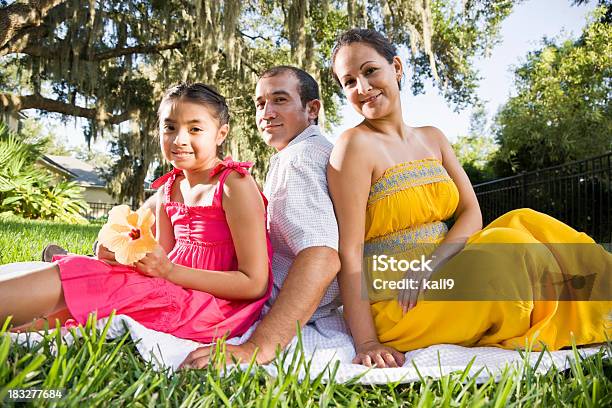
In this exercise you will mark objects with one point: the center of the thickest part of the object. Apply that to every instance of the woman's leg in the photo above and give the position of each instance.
(30, 296)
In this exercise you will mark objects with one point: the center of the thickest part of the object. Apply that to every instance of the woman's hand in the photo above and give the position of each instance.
(408, 297)
(372, 352)
(155, 264)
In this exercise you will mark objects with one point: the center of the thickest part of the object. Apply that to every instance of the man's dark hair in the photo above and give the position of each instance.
(365, 36)
(308, 88)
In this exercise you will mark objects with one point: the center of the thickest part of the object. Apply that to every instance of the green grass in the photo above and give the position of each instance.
(24, 240)
(94, 371)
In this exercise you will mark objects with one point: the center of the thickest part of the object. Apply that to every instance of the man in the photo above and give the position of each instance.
(301, 219)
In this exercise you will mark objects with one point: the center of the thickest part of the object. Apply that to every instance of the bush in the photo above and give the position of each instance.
(27, 191)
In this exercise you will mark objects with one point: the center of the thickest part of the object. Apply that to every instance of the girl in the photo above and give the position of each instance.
(209, 274)
(393, 186)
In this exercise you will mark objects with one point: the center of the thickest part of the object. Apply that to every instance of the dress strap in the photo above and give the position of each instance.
(225, 168)
(163, 181)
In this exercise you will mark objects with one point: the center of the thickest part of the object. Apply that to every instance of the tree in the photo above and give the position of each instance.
(476, 149)
(33, 132)
(109, 61)
(562, 109)
(606, 16)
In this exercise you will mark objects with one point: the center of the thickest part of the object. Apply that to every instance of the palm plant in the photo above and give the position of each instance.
(31, 192)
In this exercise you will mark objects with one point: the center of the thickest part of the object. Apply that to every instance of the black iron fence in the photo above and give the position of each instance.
(577, 193)
(98, 210)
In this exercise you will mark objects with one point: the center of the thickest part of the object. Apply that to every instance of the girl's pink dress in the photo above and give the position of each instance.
(203, 241)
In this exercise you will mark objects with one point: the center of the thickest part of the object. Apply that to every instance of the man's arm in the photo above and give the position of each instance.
(310, 274)
(307, 281)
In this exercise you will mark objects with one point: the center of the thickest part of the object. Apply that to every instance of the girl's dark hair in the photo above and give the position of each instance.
(199, 93)
(373, 38)
(203, 94)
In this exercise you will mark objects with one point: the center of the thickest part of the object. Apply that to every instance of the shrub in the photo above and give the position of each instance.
(29, 191)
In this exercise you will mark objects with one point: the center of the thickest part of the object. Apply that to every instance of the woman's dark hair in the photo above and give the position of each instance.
(202, 94)
(373, 38)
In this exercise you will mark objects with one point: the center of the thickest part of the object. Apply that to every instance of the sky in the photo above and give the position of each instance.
(520, 33)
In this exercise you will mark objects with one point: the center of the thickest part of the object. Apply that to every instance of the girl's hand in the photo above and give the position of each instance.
(106, 255)
(155, 264)
(372, 352)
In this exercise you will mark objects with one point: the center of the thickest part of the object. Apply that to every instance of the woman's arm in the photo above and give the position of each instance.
(349, 177)
(468, 218)
(245, 215)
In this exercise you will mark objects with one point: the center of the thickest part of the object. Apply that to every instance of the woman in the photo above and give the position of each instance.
(393, 186)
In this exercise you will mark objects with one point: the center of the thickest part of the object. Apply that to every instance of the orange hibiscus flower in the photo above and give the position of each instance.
(128, 233)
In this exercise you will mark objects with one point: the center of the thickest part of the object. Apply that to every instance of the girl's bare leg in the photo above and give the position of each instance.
(30, 296)
(44, 322)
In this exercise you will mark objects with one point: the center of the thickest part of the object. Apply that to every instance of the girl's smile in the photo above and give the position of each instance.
(181, 155)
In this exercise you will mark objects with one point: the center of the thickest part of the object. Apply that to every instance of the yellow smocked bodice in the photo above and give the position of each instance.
(405, 213)
(409, 203)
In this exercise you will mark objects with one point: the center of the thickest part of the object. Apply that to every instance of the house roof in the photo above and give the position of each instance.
(82, 172)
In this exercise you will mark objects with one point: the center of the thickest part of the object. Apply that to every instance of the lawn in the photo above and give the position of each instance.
(94, 371)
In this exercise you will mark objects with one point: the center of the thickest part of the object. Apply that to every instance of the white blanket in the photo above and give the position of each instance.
(327, 342)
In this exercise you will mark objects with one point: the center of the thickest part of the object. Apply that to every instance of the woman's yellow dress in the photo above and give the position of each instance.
(408, 204)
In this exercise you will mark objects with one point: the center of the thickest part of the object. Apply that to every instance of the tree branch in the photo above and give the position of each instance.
(26, 41)
(250, 36)
(11, 102)
(138, 49)
(19, 16)
(242, 61)
(34, 49)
